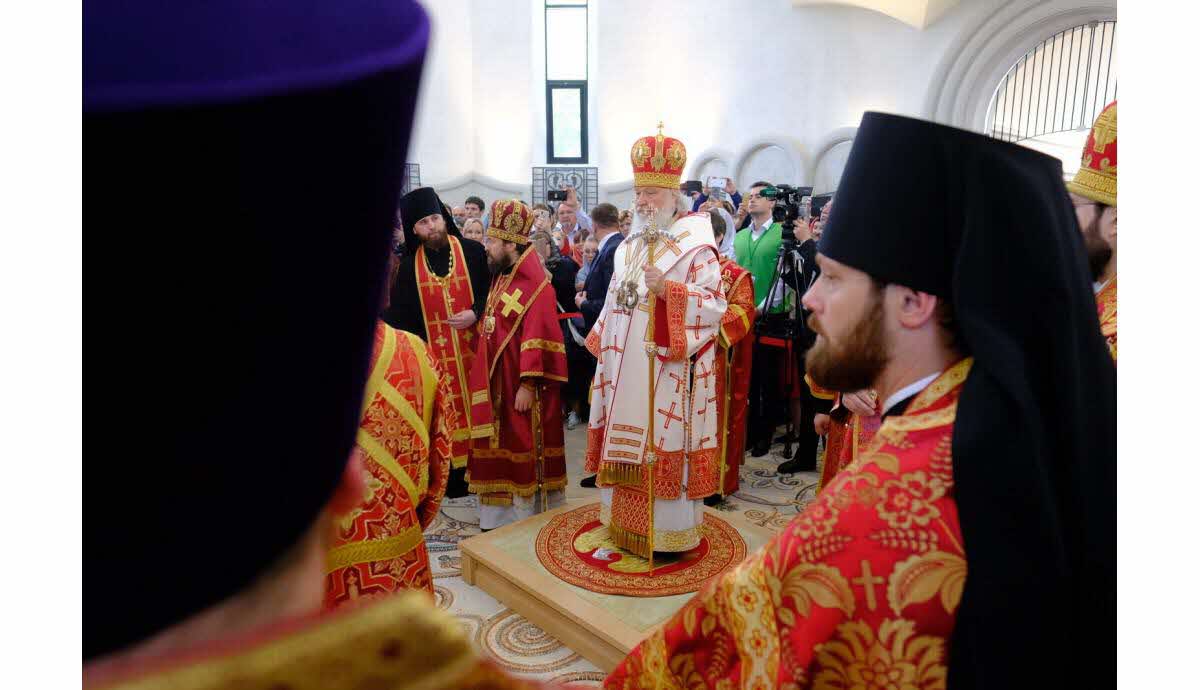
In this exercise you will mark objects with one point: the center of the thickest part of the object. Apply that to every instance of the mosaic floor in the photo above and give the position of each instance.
(765, 498)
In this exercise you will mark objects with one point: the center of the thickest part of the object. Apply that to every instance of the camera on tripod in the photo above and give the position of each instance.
(785, 321)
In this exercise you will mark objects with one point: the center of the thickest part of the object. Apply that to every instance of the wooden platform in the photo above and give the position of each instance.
(602, 628)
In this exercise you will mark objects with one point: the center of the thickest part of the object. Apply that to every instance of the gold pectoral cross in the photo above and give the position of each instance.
(512, 303)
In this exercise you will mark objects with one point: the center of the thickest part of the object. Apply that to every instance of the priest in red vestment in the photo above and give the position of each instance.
(404, 446)
(1094, 194)
(732, 365)
(438, 294)
(971, 545)
(517, 464)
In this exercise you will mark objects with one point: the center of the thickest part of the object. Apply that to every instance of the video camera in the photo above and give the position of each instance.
(791, 204)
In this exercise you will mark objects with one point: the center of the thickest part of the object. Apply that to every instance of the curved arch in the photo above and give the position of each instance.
(917, 14)
(963, 84)
(833, 139)
(800, 163)
(707, 156)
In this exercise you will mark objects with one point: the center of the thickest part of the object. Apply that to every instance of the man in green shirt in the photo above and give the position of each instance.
(757, 249)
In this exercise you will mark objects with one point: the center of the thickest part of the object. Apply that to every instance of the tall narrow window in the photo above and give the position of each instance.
(566, 81)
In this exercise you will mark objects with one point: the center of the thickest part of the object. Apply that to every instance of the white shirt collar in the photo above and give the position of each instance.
(756, 231)
(1097, 287)
(604, 242)
(909, 390)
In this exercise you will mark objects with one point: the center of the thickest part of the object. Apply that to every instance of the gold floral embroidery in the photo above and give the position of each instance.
(885, 461)
(920, 577)
(857, 658)
(806, 584)
(910, 500)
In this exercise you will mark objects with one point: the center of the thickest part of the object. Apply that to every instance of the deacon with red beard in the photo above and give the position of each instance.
(517, 464)
(1094, 194)
(973, 543)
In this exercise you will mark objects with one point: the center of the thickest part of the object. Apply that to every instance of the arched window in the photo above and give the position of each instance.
(1050, 97)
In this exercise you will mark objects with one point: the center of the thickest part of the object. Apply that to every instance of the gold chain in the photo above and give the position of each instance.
(440, 280)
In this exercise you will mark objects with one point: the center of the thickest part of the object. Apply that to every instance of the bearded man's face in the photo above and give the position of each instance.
(431, 230)
(852, 347)
(654, 204)
(1097, 224)
(499, 255)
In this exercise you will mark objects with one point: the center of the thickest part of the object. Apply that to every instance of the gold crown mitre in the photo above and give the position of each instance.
(658, 161)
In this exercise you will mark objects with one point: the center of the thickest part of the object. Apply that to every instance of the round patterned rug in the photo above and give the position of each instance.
(575, 548)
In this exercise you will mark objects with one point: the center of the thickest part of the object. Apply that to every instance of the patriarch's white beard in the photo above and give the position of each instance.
(662, 218)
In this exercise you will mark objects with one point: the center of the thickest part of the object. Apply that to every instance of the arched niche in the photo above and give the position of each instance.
(775, 160)
(710, 163)
(830, 166)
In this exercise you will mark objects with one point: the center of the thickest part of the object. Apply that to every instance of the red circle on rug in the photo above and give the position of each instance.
(575, 548)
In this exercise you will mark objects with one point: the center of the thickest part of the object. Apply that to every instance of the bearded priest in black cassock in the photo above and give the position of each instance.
(439, 294)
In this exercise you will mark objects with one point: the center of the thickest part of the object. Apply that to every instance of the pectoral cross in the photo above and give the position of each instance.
(670, 416)
(512, 303)
(867, 582)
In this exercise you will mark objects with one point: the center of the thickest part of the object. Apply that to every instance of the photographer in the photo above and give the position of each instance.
(756, 249)
(804, 406)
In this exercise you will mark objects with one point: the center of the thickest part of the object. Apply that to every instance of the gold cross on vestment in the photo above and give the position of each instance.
(441, 341)
(867, 582)
(512, 303)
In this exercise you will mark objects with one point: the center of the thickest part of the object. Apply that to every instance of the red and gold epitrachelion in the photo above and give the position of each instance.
(454, 350)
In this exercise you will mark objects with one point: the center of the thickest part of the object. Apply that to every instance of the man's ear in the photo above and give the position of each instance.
(913, 307)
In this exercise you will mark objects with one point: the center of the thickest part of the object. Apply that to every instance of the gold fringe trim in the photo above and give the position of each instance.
(486, 500)
(620, 473)
(636, 544)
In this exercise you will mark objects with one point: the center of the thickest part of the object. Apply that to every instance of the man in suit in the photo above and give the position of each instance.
(606, 222)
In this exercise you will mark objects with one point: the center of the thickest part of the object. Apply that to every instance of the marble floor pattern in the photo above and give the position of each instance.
(764, 497)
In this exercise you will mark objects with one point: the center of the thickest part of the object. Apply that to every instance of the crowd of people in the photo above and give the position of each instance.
(959, 359)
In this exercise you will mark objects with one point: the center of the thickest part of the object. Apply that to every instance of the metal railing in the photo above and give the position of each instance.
(584, 180)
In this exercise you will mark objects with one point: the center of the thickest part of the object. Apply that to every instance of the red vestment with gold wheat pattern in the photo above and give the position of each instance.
(733, 370)
(859, 590)
(404, 438)
(518, 452)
